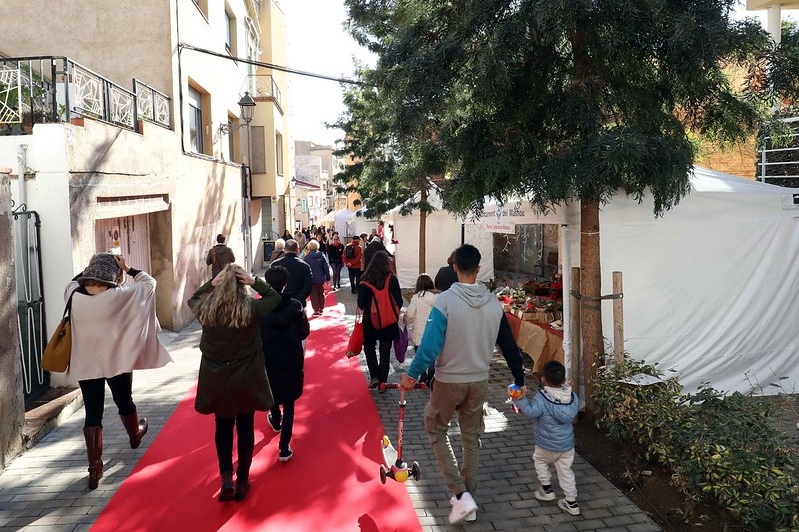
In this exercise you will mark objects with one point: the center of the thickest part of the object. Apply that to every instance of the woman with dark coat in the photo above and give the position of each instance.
(335, 254)
(232, 382)
(282, 333)
(320, 272)
(376, 274)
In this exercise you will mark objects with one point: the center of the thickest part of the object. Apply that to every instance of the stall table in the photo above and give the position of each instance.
(539, 341)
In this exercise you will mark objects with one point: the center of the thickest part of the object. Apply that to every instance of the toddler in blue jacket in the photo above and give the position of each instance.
(553, 409)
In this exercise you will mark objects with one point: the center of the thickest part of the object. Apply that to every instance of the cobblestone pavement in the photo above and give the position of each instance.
(45, 488)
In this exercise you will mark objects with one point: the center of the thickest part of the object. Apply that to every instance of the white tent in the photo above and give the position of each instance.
(338, 219)
(357, 223)
(711, 288)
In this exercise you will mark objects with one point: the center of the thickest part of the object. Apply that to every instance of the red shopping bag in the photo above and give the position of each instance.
(355, 345)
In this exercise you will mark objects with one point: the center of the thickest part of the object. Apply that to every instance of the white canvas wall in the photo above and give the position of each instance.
(711, 288)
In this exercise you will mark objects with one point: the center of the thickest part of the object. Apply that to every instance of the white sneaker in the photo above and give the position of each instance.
(461, 508)
(543, 495)
(469, 518)
(569, 506)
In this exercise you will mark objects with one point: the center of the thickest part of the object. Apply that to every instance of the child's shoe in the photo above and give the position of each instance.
(569, 506)
(545, 493)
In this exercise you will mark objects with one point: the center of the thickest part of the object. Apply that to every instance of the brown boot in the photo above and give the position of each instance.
(136, 428)
(94, 450)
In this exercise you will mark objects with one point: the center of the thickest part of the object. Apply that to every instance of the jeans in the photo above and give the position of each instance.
(467, 398)
(223, 438)
(336, 281)
(286, 420)
(93, 391)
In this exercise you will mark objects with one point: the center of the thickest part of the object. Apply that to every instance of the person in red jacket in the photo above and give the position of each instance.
(353, 255)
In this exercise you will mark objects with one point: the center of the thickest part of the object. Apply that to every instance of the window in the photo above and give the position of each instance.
(230, 32)
(195, 121)
(202, 5)
(279, 154)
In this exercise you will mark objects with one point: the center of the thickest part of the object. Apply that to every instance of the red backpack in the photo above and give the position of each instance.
(385, 311)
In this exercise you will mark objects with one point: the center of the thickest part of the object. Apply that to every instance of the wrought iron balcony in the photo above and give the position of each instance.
(58, 89)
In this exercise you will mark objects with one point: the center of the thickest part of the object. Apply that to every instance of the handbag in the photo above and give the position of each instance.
(401, 343)
(355, 345)
(59, 348)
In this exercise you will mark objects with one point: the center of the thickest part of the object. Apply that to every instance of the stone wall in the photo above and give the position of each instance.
(12, 403)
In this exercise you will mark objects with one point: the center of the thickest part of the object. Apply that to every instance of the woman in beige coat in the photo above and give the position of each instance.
(114, 331)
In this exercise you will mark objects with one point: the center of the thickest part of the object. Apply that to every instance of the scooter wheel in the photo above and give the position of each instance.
(416, 471)
(383, 474)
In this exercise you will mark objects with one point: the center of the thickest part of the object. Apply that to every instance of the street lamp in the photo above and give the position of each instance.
(246, 113)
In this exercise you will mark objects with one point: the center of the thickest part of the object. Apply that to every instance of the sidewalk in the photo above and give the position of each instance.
(46, 487)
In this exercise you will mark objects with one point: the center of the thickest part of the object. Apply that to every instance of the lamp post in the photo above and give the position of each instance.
(247, 111)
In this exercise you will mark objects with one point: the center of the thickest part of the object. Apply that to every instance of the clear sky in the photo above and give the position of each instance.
(317, 42)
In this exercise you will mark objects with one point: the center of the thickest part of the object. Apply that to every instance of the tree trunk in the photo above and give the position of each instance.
(423, 234)
(590, 287)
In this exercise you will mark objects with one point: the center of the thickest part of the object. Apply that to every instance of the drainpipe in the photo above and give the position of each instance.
(22, 165)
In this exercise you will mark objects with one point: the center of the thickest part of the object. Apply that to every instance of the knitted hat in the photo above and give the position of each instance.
(103, 269)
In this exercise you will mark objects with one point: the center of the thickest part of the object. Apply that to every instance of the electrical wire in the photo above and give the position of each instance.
(279, 68)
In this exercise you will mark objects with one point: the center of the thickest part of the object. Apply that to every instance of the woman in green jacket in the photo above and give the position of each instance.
(232, 382)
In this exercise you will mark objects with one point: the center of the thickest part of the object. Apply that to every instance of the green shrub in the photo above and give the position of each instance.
(719, 448)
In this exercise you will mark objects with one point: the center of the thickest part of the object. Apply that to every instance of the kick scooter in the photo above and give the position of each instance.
(395, 467)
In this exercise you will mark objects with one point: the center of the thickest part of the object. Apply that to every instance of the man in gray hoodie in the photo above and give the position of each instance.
(465, 324)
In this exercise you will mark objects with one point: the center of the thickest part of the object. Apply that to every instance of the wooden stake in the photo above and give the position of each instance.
(618, 318)
(574, 329)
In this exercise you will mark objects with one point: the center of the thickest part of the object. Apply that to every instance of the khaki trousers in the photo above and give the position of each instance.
(467, 399)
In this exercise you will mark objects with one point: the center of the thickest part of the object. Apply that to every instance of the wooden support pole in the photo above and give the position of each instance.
(618, 318)
(574, 328)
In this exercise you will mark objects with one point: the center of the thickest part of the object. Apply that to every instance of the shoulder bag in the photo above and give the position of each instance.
(57, 353)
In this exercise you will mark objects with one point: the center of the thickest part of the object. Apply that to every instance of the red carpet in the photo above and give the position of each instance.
(331, 484)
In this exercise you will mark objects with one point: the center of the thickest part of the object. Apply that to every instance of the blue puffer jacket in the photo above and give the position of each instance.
(553, 410)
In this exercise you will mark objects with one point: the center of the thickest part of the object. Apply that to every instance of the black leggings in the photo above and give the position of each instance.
(93, 391)
(223, 438)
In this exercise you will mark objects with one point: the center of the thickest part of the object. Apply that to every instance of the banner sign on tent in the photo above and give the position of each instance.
(499, 227)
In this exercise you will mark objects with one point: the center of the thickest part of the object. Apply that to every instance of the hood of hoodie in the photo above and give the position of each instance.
(475, 295)
(558, 394)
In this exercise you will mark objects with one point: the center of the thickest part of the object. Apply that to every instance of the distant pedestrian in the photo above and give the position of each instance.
(232, 382)
(219, 256)
(465, 324)
(113, 332)
(446, 275)
(300, 280)
(375, 245)
(335, 255)
(353, 258)
(553, 410)
(279, 251)
(320, 273)
(282, 333)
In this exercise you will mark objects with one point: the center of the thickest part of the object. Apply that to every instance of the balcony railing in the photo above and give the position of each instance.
(58, 89)
(266, 87)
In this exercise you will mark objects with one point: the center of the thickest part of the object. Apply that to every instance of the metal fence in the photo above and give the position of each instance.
(58, 89)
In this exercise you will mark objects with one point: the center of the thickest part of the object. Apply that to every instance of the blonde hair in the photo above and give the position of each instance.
(228, 304)
(313, 245)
